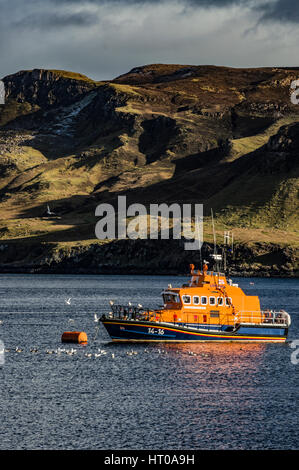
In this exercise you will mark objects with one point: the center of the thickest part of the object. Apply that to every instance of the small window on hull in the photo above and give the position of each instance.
(214, 315)
(196, 300)
(212, 300)
(204, 301)
(220, 300)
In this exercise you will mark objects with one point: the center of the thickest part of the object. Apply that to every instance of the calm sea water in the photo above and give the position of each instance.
(229, 396)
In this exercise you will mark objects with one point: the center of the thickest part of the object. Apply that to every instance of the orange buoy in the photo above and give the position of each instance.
(74, 337)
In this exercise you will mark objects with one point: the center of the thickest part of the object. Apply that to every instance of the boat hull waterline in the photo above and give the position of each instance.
(136, 331)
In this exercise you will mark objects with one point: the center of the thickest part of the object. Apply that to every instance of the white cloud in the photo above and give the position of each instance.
(104, 40)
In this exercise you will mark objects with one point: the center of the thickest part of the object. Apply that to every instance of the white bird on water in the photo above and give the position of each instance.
(68, 301)
(102, 351)
(131, 353)
(71, 352)
(96, 318)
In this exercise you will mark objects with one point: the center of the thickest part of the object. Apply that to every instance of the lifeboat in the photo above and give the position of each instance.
(208, 308)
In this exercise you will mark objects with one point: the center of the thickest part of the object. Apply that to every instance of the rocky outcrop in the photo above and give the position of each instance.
(46, 87)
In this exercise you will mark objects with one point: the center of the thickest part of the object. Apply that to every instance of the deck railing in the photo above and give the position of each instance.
(264, 317)
(129, 312)
(126, 312)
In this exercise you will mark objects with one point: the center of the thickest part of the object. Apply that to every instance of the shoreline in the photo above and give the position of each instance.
(147, 257)
(127, 272)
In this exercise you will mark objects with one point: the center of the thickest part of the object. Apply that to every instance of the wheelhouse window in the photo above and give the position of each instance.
(220, 300)
(212, 300)
(187, 299)
(204, 300)
(170, 298)
(196, 300)
(228, 301)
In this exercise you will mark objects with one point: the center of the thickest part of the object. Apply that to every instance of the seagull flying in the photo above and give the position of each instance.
(48, 210)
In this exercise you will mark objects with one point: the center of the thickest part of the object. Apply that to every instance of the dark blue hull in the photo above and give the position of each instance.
(137, 331)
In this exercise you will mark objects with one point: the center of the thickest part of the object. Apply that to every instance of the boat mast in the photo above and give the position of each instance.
(214, 235)
(215, 256)
(199, 241)
(228, 245)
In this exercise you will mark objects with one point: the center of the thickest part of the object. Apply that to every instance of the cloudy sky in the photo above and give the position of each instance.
(105, 38)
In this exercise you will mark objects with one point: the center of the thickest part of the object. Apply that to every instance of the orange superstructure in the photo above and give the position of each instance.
(208, 299)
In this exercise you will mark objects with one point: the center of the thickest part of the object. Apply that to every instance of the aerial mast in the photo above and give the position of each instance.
(215, 256)
(228, 243)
